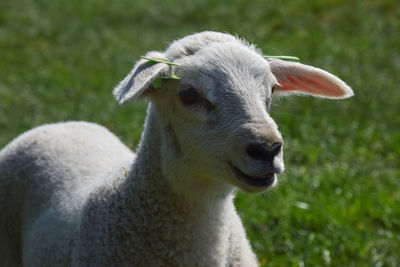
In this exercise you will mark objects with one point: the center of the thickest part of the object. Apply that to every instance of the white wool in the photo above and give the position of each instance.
(71, 194)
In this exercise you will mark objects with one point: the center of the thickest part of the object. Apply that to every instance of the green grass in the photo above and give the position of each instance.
(338, 203)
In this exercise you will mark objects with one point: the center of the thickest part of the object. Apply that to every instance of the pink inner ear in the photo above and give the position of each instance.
(311, 85)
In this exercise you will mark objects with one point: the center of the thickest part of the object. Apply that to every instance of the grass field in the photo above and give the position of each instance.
(338, 204)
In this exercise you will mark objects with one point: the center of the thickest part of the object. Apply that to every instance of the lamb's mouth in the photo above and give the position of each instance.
(264, 180)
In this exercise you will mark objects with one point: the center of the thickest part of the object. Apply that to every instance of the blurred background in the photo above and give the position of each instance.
(338, 204)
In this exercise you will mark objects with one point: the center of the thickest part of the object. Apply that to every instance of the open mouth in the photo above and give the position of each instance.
(256, 181)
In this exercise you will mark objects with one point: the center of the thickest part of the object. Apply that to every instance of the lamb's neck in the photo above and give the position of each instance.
(147, 174)
(154, 211)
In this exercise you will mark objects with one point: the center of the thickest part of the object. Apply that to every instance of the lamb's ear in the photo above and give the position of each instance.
(143, 74)
(297, 78)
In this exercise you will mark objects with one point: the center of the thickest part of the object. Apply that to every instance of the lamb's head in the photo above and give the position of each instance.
(215, 122)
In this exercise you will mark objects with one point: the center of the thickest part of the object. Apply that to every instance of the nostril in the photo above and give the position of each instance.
(257, 151)
(276, 148)
(263, 152)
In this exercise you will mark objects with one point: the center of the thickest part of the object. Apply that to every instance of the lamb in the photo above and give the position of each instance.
(71, 194)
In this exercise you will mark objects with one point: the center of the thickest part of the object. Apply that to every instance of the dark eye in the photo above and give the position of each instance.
(273, 89)
(189, 96)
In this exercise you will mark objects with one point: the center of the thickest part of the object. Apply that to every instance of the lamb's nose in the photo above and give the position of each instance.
(263, 151)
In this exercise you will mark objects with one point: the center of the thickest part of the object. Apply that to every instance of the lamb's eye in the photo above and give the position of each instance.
(189, 96)
(273, 89)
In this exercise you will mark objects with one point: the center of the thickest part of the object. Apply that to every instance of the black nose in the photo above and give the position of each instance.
(263, 151)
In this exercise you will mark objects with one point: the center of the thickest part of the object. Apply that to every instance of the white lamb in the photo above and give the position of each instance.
(71, 194)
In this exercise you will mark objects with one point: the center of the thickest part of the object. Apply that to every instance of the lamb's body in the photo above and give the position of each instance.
(46, 176)
(66, 193)
(73, 194)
